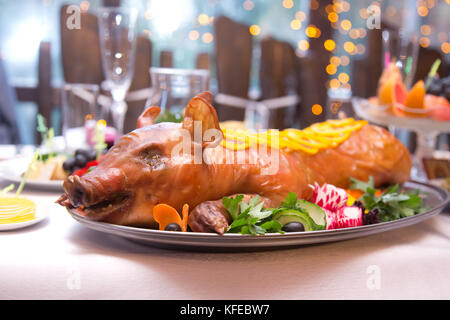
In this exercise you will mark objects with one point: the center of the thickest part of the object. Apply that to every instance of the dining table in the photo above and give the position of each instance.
(59, 258)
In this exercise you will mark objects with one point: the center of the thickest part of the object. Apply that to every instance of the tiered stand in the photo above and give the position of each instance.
(426, 129)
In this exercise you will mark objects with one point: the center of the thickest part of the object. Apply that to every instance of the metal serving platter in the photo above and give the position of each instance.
(435, 198)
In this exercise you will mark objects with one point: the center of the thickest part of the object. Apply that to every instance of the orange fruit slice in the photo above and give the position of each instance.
(416, 97)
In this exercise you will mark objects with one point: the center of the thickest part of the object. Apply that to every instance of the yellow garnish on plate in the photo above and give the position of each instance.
(16, 209)
(319, 136)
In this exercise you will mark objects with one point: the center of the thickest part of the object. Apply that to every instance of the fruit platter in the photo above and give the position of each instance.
(424, 109)
(334, 180)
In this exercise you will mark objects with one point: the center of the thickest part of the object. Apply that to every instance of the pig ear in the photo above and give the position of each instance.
(199, 110)
(147, 118)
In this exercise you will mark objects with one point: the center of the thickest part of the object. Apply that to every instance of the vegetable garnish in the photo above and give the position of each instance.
(252, 218)
(390, 204)
(185, 215)
(166, 215)
(47, 136)
(99, 137)
(5, 190)
(27, 173)
(310, 140)
(14, 209)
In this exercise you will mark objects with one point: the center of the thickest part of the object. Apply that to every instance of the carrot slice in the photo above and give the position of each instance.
(185, 214)
(165, 214)
(355, 193)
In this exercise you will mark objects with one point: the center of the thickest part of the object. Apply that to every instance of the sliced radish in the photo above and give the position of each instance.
(329, 197)
(344, 217)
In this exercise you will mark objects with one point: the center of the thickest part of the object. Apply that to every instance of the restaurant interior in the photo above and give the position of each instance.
(356, 91)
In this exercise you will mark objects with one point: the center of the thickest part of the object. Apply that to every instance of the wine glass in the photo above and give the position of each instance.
(173, 88)
(117, 28)
(80, 111)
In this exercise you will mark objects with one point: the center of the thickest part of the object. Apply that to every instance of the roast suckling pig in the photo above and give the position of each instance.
(142, 170)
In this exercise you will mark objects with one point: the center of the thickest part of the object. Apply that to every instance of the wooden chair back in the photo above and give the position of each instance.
(233, 46)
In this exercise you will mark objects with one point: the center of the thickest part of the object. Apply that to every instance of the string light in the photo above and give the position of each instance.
(424, 42)
(346, 24)
(349, 47)
(194, 35)
(312, 31)
(335, 60)
(425, 29)
(331, 69)
(296, 24)
(314, 4)
(317, 109)
(334, 83)
(248, 5)
(333, 17)
(203, 19)
(329, 45)
(288, 4)
(207, 37)
(345, 61)
(254, 30)
(445, 47)
(148, 15)
(303, 45)
(343, 77)
(422, 11)
(300, 15)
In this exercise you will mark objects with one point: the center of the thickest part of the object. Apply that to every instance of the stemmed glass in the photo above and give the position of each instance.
(117, 28)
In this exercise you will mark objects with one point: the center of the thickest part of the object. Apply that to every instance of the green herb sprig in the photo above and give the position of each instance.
(250, 217)
(392, 204)
(47, 136)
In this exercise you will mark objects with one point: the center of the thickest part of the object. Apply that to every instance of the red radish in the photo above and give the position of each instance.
(344, 217)
(329, 197)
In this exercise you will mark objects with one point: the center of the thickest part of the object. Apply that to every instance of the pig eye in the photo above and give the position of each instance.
(153, 156)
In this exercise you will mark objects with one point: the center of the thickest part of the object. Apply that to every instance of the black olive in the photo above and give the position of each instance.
(68, 164)
(173, 227)
(91, 155)
(293, 227)
(80, 160)
(84, 152)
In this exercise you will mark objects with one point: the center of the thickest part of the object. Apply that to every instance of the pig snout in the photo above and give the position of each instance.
(92, 189)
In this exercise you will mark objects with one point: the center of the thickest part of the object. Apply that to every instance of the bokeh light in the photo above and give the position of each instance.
(194, 35)
(329, 45)
(254, 30)
(331, 69)
(317, 109)
(288, 4)
(296, 24)
(303, 45)
(207, 37)
(203, 19)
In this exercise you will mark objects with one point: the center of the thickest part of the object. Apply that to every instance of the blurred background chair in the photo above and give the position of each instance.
(9, 133)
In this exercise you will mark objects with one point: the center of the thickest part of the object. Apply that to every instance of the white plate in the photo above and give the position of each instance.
(41, 213)
(13, 169)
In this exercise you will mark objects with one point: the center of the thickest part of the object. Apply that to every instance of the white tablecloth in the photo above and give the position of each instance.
(61, 259)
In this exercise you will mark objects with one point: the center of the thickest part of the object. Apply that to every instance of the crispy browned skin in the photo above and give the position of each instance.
(139, 172)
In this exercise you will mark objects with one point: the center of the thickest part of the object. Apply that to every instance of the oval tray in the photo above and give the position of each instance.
(436, 199)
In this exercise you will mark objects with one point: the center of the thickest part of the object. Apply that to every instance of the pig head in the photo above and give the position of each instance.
(140, 171)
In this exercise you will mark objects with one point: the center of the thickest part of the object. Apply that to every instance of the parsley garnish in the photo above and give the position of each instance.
(392, 204)
(250, 217)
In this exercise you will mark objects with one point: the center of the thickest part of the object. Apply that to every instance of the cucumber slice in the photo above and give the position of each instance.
(316, 213)
(289, 215)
